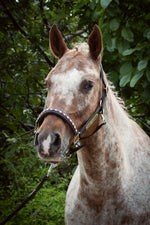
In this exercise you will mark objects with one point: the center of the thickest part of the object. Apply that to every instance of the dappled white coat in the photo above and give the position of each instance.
(111, 184)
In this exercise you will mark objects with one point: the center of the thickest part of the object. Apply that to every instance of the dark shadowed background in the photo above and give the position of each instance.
(26, 60)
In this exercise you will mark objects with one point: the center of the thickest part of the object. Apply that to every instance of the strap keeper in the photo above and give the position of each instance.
(101, 102)
(76, 138)
(36, 127)
(106, 90)
(103, 118)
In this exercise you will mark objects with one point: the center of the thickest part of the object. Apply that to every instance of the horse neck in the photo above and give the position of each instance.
(100, 160)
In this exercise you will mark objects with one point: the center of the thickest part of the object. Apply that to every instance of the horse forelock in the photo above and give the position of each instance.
(82, 48)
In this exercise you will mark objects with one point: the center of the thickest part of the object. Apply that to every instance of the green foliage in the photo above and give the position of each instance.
(125, 28)
(105, 3)
(22, 172)
(126, 58)
(25, 62)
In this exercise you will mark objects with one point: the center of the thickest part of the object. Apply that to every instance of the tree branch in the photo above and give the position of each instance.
(45, 21)
(145, 124)
(25, 126)
(78, 33)
(133, 106)
(39, 48)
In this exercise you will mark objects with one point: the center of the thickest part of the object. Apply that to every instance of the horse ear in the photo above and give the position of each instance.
(95, 43)
(56, 42)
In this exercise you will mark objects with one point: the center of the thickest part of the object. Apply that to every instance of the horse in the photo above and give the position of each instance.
(111, 185)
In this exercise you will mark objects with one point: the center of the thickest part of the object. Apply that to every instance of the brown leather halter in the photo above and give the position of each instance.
(77, 134)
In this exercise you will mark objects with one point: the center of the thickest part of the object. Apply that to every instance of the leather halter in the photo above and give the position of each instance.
(77, 134)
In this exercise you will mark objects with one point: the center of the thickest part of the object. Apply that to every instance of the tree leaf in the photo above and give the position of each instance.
(129, 51)
(113, 76)
(146, 94)
(135, 78)
(142, 64)
(126, 69)
(148, 75)
(105, 3)
(127, 34)
(124, 80)
(114, 24)
(122, 45)
(147, 33)
(111, 43)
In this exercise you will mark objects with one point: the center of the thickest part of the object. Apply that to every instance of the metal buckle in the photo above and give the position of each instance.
(67, 154)
(36, 127)
(76, 138)
(106, 89)
(102, 116)
(100, 102)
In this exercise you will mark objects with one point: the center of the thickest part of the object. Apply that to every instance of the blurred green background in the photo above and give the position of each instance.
(26, 60)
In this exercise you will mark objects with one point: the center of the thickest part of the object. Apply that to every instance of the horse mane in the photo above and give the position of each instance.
(119, 99)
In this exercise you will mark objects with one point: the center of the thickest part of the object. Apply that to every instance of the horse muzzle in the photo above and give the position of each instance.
(48, 147)
(52, 139)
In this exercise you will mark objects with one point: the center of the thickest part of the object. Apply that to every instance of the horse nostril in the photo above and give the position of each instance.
(48, 145)
(55, 142)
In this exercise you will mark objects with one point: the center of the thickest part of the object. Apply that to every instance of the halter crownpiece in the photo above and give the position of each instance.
(64, 116)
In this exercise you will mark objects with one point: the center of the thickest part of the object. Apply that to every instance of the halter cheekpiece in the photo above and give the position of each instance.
(77, 134)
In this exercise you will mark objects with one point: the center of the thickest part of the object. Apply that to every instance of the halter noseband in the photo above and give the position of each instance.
(77, 134)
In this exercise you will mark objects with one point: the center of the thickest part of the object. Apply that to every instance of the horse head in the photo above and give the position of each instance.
(74, 88)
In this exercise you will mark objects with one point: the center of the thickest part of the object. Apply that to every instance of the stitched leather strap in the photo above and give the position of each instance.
(58, 113)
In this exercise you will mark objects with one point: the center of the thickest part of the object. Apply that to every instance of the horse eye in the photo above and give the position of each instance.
(87, 85)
